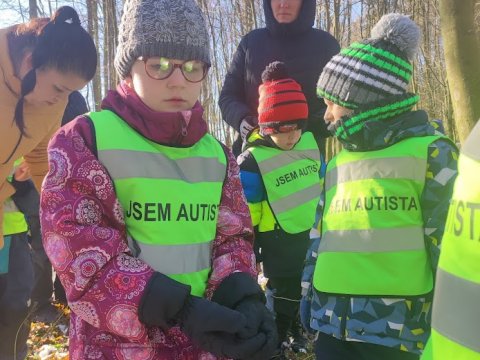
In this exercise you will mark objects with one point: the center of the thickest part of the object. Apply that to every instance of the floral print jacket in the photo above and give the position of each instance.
(84, 236)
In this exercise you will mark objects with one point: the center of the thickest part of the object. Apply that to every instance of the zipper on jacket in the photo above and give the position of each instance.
(183, 131)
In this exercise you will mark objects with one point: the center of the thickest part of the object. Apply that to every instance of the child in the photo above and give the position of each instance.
(279, 171)
(143, 216)
(455, 322)
(17, 270)
(386, 197)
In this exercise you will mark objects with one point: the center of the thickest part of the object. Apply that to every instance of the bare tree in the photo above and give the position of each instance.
(347, 20)
(32, 9)
(93, 29)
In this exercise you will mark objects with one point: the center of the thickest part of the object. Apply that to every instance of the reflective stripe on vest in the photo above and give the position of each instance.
(456, 305)
(292, 182)
(13, 219)
(170, 197)
(372, 230)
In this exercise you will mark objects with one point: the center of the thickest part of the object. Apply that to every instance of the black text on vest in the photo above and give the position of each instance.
(463, 222)
(392, 203)
(293, 175)
(171, 212)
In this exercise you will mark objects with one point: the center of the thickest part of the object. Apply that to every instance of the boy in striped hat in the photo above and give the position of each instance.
(279, 170)
(384, 205)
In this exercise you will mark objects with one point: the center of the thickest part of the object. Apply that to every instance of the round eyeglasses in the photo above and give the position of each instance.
(160, 68)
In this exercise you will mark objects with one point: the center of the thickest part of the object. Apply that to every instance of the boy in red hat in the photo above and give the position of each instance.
(279, 170)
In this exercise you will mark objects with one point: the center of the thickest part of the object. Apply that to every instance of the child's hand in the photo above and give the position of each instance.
(259, 321)
(216, 328)
(246, 127)
(22, 172)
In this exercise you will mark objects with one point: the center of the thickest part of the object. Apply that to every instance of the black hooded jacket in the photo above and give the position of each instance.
(303, 49)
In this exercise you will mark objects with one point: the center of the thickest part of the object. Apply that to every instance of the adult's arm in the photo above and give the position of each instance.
(232, 99)
(37, 159)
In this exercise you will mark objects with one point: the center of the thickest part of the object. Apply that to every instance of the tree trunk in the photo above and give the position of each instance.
(462, 55)
(93, 30)
(32, 9)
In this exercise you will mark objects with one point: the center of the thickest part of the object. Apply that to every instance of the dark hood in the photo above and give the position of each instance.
(305, 20)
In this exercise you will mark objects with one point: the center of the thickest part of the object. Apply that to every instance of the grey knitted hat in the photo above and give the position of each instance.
(170, 28)
(375, 69)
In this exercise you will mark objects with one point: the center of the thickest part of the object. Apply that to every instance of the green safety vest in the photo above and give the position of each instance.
(13, 219)
(456, 304)
(372, 231)
(291, 182)
(170, 197)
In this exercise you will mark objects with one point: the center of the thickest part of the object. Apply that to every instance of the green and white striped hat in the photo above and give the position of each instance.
(375, 69)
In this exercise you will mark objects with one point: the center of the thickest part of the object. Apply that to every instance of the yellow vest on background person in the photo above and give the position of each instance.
(456, 304)
(170, 197)
(372, 230)
(292, 184)
(14, 221)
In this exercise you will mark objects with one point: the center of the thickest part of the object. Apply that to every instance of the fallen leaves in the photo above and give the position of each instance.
(50, 341)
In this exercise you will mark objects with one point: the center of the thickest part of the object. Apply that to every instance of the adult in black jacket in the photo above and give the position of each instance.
(303, 49)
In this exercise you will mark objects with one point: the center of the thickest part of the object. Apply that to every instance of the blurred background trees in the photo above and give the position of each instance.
(446, 70)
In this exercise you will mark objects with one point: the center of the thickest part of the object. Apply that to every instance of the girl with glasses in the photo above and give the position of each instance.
(143, 215)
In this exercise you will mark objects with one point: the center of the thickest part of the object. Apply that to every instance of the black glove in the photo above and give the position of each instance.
(259, 321)
(216, 329)
(162, 301)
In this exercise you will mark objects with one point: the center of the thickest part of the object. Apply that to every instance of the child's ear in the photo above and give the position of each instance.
(128, 80)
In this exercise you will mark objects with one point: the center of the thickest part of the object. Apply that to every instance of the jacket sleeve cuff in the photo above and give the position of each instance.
(235, 288)
(163, 299)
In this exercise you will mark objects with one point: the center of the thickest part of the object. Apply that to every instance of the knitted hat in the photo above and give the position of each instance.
(374, 69)
(282, 102)
(170, 28)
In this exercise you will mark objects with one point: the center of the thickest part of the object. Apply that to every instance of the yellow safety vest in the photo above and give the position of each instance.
(170, 197)
(456, 304)
(372, 231)
(291, 179)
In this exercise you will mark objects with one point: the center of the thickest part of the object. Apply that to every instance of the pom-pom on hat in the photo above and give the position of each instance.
(282, 104)
(375, 69)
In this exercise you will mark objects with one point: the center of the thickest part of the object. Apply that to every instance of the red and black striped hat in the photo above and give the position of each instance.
(282, 102)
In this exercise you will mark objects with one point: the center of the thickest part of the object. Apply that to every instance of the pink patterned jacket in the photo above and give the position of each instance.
(85, 238)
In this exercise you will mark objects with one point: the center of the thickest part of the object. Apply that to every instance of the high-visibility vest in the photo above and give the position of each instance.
(13, 219)
(170, 197)
(291, 179)
(456, 304)
(372, 231)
